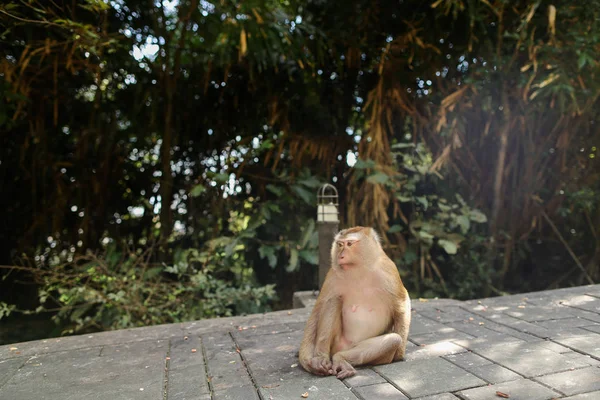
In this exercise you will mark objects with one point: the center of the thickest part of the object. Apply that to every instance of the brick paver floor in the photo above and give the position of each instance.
(543, 345)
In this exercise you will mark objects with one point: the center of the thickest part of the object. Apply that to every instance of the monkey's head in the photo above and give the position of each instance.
(355, 247)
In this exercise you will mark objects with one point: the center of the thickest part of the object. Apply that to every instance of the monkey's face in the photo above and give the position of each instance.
(348, 249)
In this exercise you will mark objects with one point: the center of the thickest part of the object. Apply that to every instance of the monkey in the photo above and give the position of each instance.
(363, 311)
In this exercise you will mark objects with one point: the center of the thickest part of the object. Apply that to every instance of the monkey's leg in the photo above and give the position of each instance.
(376, 350)
(401, 326)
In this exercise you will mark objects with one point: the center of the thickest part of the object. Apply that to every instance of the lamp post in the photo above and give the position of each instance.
(327, 222)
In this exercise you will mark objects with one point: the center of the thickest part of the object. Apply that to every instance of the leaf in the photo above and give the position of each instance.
(464, 223)
(308, 231)
(220, 177)
(395, 229)
(503, 395)
(310, 182)
(378, 178)
(444, 208)
(307, 196)
(277, 191)
(477, 216)
(403, 199)
(423, 201)
(310, 256)
(448, 246)
(268, 252)
(152, 272)
(197, 190)
(425, 235)
(364, 164)
(293, 263)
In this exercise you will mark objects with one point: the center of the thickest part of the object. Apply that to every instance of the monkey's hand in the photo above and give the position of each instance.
(341, 368)
(318, 365)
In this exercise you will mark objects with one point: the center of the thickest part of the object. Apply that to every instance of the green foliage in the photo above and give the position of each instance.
(445, 253)
(122, 288)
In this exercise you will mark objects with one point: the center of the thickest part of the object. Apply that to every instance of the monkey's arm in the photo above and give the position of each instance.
(322, 327)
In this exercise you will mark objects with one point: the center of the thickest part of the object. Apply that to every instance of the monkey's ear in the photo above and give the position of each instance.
(374, 235)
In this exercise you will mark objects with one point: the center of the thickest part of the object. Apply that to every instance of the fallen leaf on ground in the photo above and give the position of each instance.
(521, 306)
(294, 365)
(289, 313)
(305, 395)
(423, 300)
(185, 338)
(167, 358)
(503, 395)
(272, 385)
(13, 348)
(194, 350)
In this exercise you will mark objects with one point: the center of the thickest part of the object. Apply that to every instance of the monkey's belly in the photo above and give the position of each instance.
(361, 321)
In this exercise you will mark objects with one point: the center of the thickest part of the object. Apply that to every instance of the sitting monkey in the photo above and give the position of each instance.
(363, 311)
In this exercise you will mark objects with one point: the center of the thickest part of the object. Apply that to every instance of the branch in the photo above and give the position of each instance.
(564, 242)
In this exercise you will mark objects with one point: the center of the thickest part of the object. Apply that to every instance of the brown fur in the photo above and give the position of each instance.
(362, 315)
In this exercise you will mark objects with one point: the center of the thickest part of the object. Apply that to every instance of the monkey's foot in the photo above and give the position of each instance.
(341, 368)
(320, 365)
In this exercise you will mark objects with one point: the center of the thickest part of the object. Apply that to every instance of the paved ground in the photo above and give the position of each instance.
(535, 346)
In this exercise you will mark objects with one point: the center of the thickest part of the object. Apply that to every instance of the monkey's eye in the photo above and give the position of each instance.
(350, 244)
(340, 244)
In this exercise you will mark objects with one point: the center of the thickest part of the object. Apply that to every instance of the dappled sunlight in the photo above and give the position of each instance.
(581, 300)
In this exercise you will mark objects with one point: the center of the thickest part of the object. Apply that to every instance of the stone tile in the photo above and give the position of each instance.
(427, 377)
(187, 377)
(574, 382)
(97, 340)
(494, 373)
(517, 390)
(584, 302)
(364, 377)
(383, 391)
(264, 330)
(482, 328)
(589, 315)
(186, 353)
(555, 347)
(536, 313)
(529, 359)
(583, 358)
(135, 371)
(318, 388)
(491, 340)
(10, 367)
(588, 344)
(441, 396)
(447, 314)
(272, 360)
(584, 396)
(420, 325)
(184, 384)
(426, 304)
(443, 335)
(477, 327)
(433, 350)
(567, 323)
(592, 328)
(467, 360)
(242, 391)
